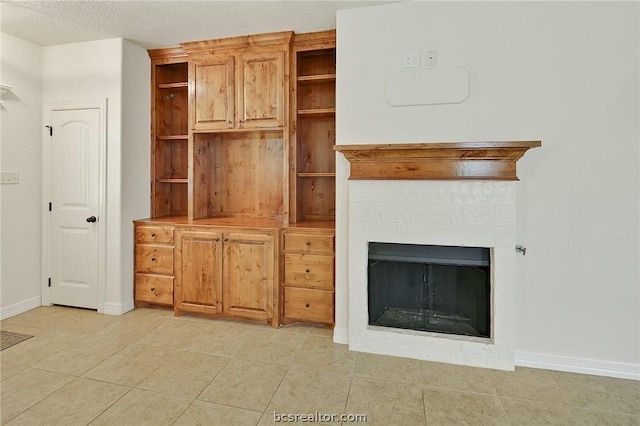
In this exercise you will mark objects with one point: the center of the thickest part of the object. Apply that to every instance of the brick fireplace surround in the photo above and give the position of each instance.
(451, 194)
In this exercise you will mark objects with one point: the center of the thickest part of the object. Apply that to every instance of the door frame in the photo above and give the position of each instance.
(49, 108)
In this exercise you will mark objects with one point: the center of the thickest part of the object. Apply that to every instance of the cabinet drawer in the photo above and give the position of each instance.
(308, 243)
(308, 305)
(154, 289)
(154, 234)
(308, 270)
(152, 258)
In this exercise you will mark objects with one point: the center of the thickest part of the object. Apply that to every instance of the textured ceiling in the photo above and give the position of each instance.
(153, 24)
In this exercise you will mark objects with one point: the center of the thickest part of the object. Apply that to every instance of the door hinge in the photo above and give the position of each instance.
(50, 207)
(49, 281)
(50, 130)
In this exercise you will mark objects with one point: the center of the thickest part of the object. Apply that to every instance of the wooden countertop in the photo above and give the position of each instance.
(239, 222)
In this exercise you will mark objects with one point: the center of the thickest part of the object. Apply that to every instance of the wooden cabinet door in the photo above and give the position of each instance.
(212, 97)
(261, 94)
(248, 276)
(198, 271)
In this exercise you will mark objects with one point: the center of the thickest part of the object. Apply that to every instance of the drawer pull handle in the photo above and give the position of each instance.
(153, 235)
(308, 243)
(307, 271)
(153, 289)
(307, 305)
(153, 259)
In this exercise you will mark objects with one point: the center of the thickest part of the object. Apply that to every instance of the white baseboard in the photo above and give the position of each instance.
(117, 308)
(341, 335)
(20, 307)
(578, 365)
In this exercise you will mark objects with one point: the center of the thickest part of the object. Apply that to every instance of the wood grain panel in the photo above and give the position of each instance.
(435, 170)
(198, 271)
(248, 284)
(248, 174)
(171, 159)
(308, 243)
(313, 271)
(261, 98)
(317, 198)
(308, 305)
(172, 106)
(213, 93)
(317, 61)
(437, 161)
(154, 234)
(316, 94)
(203, 175)
(154, 258)
(154, 289)
(315, 139)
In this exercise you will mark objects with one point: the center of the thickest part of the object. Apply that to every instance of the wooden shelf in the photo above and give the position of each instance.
(172, 180)
(311, 175)
(317, 78)
(173, 85)
(436, 161)
(263, 130)
(317, 113)
(173, 137)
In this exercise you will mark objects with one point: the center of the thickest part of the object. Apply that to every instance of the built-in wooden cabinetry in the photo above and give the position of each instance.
(308, 241)
(243, 176)
(308, 275)
(170, 132)
(225, 271)
(237, 77)
(154, 264)
(313, 102)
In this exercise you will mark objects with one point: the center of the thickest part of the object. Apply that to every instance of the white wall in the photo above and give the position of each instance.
(136, 125)
(111, 69)
(563, 73)
(21, 134)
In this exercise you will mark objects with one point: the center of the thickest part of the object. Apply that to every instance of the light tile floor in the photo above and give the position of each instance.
(148, 367)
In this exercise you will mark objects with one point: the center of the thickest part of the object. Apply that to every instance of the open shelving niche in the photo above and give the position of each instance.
(169, 156)
(239, 174)
(313, 135)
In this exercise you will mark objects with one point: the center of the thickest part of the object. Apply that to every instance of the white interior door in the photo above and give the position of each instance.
(75, 180)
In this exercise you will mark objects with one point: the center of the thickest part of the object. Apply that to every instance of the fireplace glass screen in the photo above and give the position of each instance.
(441, 289)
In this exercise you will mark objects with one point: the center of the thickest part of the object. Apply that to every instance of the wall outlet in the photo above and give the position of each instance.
(430, 58)
(10, 177)
(411, 60)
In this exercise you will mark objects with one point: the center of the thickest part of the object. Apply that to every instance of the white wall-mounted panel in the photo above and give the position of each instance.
(427, 86)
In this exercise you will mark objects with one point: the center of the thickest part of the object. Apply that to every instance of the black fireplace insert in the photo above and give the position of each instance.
(442, 289)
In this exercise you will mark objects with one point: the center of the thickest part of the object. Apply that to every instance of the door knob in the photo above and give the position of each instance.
(92, 219)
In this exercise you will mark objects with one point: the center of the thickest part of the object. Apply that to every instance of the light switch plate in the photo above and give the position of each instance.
(10, 177)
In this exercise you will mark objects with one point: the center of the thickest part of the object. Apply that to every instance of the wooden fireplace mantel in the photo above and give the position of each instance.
(436, 161)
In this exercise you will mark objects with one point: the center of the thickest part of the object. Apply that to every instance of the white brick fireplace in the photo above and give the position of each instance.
(406, 206)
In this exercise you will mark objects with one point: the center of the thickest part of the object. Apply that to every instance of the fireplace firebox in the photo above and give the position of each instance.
(441, 289)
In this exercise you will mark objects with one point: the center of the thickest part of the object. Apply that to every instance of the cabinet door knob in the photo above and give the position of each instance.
(92, 219)
(307, 305)
(307, 271)
(153, 235)
(308, 243)
(152, 289)
(153, 259)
